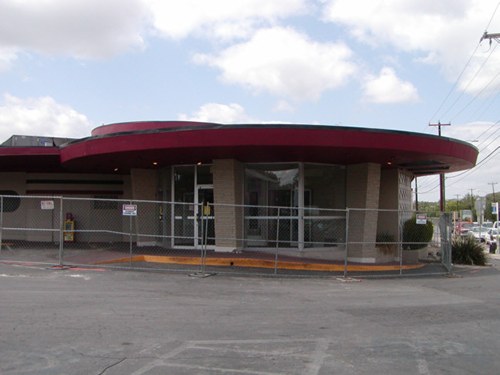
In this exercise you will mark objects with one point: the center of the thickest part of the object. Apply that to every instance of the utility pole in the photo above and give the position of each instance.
(493, 187)
(494, 36)
(441, 175)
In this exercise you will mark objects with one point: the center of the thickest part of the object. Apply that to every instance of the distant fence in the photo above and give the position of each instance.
(210, 239)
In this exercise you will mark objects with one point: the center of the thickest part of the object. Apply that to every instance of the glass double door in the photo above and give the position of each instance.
(194, 219)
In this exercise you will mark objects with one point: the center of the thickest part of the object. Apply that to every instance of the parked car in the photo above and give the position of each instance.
(488, 224)
(479, 233)
(463, 227)
(492, 235)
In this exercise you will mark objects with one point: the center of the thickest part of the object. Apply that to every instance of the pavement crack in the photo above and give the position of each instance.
(112, 365)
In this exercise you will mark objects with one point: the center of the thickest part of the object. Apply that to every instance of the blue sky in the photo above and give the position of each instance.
(67, 67)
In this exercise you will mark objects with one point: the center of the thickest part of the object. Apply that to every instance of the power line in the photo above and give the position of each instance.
(474, 168)
(455, 84)
(493, 15)
(470, 82)
(463, 174)
(488, 130)
(477, 95)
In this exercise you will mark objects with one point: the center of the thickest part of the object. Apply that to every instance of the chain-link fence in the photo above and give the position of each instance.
(203, 239)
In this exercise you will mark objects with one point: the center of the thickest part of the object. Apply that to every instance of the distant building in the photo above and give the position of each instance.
(308, 174)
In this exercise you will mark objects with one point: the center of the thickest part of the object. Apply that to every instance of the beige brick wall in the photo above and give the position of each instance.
(145, 187)
(388, 220)
(30, 214)
(363, 191)
(228, 189)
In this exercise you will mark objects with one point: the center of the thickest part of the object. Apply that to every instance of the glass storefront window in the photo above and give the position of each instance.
(272, 185)
(271, 191)
(324, 204)
(292, 205)
(324, 187)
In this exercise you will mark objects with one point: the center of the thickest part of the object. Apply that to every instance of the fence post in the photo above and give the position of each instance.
(346, 241)
(400, 241)
(130, 237)
(1, 222)
(277, 241)
(445, 229)
(204, 234)
(61, 231)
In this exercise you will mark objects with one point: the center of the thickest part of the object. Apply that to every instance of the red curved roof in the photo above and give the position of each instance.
(155, 144)
(120, 147)
(30, 159)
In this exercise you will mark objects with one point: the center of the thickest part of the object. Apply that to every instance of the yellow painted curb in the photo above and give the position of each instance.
(261, 263)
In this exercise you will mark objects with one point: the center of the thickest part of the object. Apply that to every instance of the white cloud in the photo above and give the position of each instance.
(285, 63)
(439, 32)
(222, 19)
(221, 113)
(77, 28)
(283, 106)
(33, 116)
(387, 88)
(7, 57)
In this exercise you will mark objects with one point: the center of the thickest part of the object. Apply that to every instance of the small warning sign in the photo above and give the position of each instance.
(47, 205)
(422, 219)
(129, 210)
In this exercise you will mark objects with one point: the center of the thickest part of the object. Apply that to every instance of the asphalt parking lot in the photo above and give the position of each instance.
(101, 321)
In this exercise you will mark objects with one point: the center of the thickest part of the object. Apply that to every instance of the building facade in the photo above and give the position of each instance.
(262, 185)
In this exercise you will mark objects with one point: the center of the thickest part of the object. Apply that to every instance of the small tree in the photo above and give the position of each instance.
(416, 236)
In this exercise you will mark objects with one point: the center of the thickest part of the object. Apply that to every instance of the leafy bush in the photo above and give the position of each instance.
(416, 236)
(466, 250)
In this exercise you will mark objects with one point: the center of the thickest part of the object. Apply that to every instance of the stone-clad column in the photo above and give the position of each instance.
(363, 192)
(145, 187)
(228, 175)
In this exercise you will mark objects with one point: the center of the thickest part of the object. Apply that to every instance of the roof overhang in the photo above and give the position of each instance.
(120, 147)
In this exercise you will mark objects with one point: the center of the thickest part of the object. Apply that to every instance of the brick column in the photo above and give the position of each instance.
(388, 221)
(228, 175)
(144, 187)
(363, 191)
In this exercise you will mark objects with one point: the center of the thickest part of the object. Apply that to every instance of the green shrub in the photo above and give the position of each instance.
(466, 250)
(416, 236)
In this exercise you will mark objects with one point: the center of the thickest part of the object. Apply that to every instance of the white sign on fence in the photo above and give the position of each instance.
(47, 205)
(422, 219)
(129, 210)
